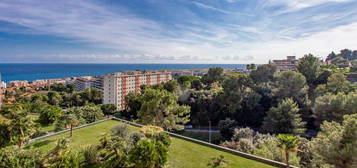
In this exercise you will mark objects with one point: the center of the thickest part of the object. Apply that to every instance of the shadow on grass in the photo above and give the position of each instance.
(41, 143)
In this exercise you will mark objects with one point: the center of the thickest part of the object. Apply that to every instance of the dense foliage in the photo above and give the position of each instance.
(308, 116)
(134, 150)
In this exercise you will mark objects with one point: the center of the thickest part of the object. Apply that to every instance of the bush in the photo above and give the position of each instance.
(120, 130)
(245, 133)
(49, 114)
(13, 157)
(148, 154)
(246, 145)
(150, 131)
(136, 137)
(218, 162)
(226, 128)
(91, 155)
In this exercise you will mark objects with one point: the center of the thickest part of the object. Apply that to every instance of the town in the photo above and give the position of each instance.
(178, 84)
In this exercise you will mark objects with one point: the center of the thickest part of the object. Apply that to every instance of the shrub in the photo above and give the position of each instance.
(136, 137)
(245, 133)
(13, 157)
(120, 130)
(149, 131)
(148, 154)
(226, 128)
(246, 145)
(217, 162)
(91, 155)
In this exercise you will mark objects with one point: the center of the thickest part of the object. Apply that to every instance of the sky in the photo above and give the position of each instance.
(173, 31)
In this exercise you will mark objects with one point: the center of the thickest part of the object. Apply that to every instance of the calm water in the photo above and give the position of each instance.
(46, 71)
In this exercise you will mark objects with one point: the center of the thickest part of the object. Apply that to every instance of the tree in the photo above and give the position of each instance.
(204, 107)
(68, 120)
(309, 66)
(184, 78)
(336, 83)
(108, 109)
(16, 126)
(92, 95)
(336, 144)
(54, 98)
(196, 84)
(331, 56)
(263, 74)
(290, 84)
(240, 101)
(91, 113)
(49, 114)
(340, 62)
(284, 118)
(251, 66)
(288, 143)
(160, 108)
(4, 131)
(61, 156)
(346, 54)
(12, 157)
(226, 128)
(213, 75)
(150, 152)
(133, 104)
(171, 86)
(332, 107)
(354, 55)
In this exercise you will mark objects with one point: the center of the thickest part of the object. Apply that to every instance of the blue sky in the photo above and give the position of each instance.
(173, 31)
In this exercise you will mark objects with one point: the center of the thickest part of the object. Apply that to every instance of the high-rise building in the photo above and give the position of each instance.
(118, 85)
(288, 64)
(85, 82)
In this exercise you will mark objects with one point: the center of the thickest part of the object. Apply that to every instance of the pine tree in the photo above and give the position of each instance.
(284, 119)
(336, 144)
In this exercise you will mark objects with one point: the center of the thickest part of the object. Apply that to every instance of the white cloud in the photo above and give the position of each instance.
(205, 6)
(294, 5)
(143, 40)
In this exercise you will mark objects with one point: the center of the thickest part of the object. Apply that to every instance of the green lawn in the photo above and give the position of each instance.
(203, 136)
(43, 128)
(183, 154)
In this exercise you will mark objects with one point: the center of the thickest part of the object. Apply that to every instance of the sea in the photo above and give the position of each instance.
(30, 72)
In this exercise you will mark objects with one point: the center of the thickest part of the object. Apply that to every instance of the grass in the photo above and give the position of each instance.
(183, 154)
(43, 128)
(203, 136)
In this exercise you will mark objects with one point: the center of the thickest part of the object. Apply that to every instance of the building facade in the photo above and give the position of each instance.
(288, 64)
(118, 85)
(82, 83)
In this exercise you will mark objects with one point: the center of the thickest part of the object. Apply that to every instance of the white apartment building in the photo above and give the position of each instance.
(82, 83)
(118, 85)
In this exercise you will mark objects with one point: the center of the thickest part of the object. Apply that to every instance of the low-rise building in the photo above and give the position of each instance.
(19, 83)
(288, 64)
(118, 85)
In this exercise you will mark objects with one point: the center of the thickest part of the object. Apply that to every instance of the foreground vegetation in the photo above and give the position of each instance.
(288, 116)
(181, 154)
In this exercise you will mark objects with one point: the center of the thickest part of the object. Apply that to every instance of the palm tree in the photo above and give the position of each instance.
(70, 121)
(288, 143)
